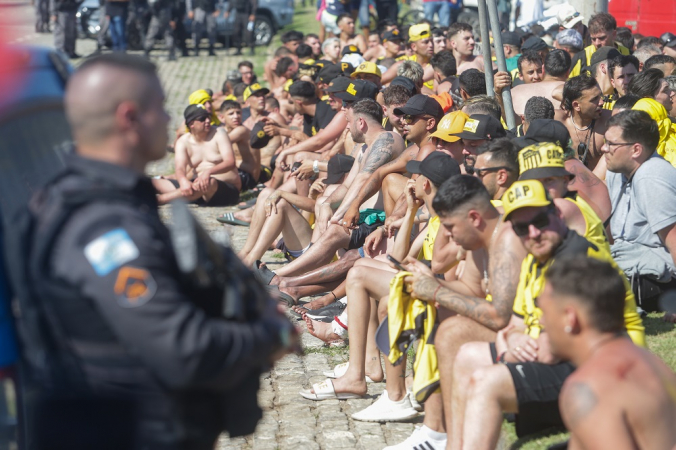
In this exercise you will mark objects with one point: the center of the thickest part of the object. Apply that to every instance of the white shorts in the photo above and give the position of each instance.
(329, 22)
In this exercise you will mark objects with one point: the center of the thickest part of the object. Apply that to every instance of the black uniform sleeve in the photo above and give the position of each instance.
(113, 257)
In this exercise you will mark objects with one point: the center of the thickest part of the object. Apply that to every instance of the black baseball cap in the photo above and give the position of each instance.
(419, 105)
(545, 130)
(339, 84)
(346, 67)
(393, 35)
(338, 166)
(328, 73)
(437, 167)
(195, 112)
(258, 137)
(349, 49)
(603, 54)
(511, 38)
(668, 39)
(357, 90)
(482, 126)
(534, 43)
(406, 82)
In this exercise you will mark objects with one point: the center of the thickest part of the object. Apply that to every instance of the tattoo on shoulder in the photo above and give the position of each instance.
(579, 400)
(381, 153)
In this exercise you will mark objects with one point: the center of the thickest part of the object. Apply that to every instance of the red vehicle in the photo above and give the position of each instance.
(647, 17)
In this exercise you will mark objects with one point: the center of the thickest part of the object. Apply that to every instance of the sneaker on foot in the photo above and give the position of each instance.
(386, 410)
(420, 438)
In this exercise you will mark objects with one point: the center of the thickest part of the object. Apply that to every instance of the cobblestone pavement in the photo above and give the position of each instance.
(289, 421)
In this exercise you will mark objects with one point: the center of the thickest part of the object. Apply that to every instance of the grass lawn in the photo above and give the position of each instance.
(661, 337)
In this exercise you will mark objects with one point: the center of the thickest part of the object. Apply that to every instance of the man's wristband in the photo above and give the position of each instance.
(315, 166)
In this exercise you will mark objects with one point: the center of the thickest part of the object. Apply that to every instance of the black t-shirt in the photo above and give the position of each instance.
(323, 116)
(308, 120)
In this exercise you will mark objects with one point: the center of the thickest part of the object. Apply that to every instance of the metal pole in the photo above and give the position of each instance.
(500, 56)
(486, 47)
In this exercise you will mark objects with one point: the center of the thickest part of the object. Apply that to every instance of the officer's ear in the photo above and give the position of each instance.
(126, 115)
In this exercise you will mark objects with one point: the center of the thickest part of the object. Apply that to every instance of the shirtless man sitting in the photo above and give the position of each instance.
(248, 159)
(621, 395)
(205, 165)
(586, 119)
(347, 36)
(557, 67)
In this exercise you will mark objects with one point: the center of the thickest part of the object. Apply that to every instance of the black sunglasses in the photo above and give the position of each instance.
(540, 221)
(483, 171)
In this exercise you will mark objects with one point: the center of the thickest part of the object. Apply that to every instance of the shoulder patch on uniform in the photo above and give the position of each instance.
(110, 251)
(134, 287)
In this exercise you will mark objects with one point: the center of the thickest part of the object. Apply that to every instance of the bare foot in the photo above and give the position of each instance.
(321, 330)
(244, 215)
(317, 303)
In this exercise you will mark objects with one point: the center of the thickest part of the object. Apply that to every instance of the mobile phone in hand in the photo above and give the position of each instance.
(295, 166)
(396, 263)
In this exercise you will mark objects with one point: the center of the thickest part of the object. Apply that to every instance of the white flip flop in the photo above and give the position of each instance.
(340, 370)
(325, 391)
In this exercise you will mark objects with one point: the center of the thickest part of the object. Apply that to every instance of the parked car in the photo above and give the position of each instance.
(271, 15)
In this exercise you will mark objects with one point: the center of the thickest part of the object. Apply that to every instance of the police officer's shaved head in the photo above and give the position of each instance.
(98, 88)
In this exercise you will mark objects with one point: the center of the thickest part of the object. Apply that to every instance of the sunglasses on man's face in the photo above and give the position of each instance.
(409, 119)
(540, 221)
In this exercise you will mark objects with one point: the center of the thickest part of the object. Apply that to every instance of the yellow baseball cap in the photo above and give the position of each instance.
(524, 194)
(419, 32)
(541, 161)
(254, 89)
(367, 67)
(199, 97)
(451, 123)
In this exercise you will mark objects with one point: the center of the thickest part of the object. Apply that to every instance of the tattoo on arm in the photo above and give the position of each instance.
(582, 177)
(579, 400)
(381, 153)
(504, 269)
(504, 273)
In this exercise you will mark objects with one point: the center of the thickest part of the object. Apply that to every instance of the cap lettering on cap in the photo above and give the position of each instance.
(344, 66)
(351, 90)
(471, 125)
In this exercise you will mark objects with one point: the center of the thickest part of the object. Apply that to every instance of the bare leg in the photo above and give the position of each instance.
(362, 286)
(451, 335)
(257, 219)
(336, 270)
(319, 254)
(395, 381)
(287, 220)
(491, 392)
(247, 214)
(471, 356)
(167, 197)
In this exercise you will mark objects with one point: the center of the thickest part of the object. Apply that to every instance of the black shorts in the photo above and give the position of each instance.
(537, 393)
(359, 235)
(225, 195)
(247, 180)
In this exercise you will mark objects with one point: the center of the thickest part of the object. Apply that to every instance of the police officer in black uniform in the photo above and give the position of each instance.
(245, 14)
(125, 350)
(162, 20)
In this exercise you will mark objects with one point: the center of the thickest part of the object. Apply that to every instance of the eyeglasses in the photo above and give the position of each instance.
(409, 119)
(482, 172)
(540, 221)
(617, 144)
